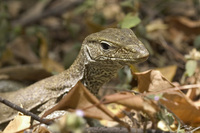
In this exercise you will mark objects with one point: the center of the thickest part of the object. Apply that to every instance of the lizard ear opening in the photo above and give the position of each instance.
(105, 45)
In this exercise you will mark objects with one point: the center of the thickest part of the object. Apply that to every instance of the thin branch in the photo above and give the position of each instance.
(18, 108)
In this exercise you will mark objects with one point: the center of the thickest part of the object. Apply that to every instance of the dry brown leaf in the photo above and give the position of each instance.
(168, 72)
(80, 98)
(182, 107)
(19, 123)
(152, 81)
(135, 102)
(174, 100)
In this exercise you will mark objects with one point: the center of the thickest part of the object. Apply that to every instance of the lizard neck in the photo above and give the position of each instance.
(93, 74)
(76, 70)
(98, 73)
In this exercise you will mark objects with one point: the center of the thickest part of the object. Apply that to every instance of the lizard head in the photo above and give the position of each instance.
(117, 45)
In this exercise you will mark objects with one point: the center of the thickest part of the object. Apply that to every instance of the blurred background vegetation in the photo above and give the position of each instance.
(49, 33)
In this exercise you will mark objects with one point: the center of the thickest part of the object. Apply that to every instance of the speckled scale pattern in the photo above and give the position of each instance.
(98, 74)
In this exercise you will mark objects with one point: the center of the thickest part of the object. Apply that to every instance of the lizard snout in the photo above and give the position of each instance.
(142, 53)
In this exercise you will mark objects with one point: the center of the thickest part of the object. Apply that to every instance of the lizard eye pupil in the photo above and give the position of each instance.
(105, 46)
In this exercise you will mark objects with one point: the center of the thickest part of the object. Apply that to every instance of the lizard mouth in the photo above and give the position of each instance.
(124, 60)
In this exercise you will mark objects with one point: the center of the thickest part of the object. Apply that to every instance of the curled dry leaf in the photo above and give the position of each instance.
(152, 81)
(176, 101)
(182, 107)
(80, 98)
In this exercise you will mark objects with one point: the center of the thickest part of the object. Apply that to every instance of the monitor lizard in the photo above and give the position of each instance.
(102, 54)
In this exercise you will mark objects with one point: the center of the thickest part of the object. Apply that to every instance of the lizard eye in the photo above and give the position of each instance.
(105, 45)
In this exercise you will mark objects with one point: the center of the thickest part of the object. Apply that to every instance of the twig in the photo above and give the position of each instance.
(18, 108)
(194, 129)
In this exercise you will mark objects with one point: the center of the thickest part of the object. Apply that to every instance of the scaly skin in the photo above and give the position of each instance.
(101, 55)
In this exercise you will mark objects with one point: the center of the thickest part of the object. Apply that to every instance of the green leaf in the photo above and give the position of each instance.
(130, 21)
(128, 3)
(190, 67)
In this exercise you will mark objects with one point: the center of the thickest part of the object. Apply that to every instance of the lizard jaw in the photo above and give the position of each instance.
(125, 60)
